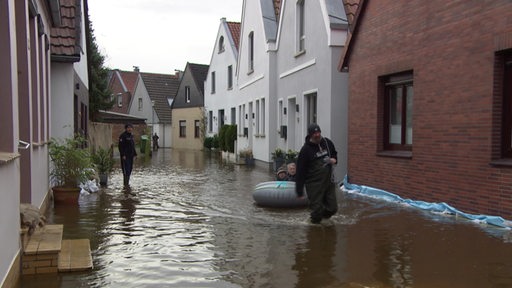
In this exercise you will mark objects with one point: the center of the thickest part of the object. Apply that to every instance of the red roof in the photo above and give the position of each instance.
(129, 79)
(351, 7)
(277, 8)
(65, 39)
(234, 28)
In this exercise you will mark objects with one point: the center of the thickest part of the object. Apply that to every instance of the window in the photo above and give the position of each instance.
(230, 77)
(258, 117)
(301, 34)
(507, 107)
(183, 129)
(140, 104)
(120, 100)
(187, 94)
(210, 121)
(213, 82)
(251, 52)
(197, 128)
(262, 128)
(398, 104)
(311, 115)
(221, 44)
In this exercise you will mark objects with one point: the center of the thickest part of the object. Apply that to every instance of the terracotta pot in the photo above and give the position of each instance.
(68, 195)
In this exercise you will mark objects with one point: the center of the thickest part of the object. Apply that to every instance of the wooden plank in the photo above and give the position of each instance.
(75, 255)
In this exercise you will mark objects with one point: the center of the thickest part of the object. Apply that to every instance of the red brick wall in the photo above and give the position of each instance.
(450, 46)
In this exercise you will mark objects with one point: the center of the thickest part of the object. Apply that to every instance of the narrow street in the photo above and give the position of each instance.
(190, 221)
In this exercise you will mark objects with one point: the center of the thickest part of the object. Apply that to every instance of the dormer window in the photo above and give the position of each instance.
(120, 100)
(221, 44)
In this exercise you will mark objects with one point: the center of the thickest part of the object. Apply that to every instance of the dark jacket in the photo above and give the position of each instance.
(127, 145)
(311, 163)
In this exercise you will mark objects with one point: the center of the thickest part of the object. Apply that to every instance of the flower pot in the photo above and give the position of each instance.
(66, 195)
(103, 179)
(249, 161)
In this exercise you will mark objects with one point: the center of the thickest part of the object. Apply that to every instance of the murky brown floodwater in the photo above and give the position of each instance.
(190, 221)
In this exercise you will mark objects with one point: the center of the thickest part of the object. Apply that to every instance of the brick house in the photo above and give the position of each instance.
(430, 100)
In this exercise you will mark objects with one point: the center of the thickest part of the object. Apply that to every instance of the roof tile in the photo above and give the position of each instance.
(234, 29)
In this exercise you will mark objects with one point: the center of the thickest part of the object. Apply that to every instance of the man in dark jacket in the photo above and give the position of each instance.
(314, 171)
(127, 152)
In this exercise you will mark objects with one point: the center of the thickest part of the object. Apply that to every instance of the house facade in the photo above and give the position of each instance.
(152, 100)
(220, 86)
(256, 77)
(25, 85)
(311, 36)
(70, 81)
(430, 93)
(122, 84)
(188, 117)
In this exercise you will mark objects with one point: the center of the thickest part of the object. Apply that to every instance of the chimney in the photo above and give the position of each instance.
(178, 73)
(136, 69)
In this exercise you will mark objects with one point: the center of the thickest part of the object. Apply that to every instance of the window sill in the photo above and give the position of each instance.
(8, 157)
(504, 162)
(299, 53)
(39, 144)
(396, 154)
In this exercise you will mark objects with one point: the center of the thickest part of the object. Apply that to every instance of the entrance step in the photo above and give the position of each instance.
(42, 250)
(75, 256)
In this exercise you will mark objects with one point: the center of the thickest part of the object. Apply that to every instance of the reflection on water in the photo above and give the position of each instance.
(189, 220)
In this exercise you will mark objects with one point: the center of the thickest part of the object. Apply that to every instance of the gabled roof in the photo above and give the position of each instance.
(65, 39)
(234, 29)
(160, 87)
(270, 10)
(199, 73)
(128, 79)
(354, 10)
(336, 14)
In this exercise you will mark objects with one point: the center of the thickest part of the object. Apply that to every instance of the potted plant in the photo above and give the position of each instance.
(279, 158)
(71, 165)
(247, 156)
(103, 162)
(291, 156)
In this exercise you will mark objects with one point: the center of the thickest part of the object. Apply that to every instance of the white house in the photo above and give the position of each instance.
(256, 78)
(220, 86)
(287, 75)
(310, 38)
(152, 99)
(70, 81)
(25, 116)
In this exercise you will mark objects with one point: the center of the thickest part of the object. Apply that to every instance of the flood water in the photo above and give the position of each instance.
(190, 221)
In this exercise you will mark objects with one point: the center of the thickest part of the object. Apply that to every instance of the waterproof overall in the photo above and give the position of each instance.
(314, 172)
(127, 151)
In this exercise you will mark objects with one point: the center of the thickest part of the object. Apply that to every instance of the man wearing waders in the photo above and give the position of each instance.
(314, 172)
(127, 153)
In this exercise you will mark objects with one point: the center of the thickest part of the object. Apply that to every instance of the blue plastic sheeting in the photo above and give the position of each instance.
(433, 207)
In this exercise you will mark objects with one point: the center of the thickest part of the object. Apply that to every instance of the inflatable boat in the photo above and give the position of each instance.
(279, 194)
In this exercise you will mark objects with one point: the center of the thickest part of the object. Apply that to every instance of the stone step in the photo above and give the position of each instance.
(46, 252)
(42, 250)
(75, 256)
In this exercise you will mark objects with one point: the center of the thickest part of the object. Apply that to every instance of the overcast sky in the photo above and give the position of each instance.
(159, 35)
